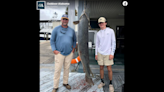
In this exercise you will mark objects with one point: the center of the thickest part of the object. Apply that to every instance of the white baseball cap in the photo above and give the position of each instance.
(101, 19)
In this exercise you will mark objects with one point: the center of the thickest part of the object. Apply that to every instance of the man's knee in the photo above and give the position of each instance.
(101, 67)
(109, 68)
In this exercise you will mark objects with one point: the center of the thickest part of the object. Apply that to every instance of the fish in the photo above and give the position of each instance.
(83, 46)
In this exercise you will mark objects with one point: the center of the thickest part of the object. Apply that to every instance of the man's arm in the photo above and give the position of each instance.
(74, 41)
(96, 45)
(53, 40)
(113, 39)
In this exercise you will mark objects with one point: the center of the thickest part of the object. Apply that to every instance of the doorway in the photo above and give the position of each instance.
(119, 53)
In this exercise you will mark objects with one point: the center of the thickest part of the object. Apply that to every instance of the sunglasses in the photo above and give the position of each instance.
(62, 31)
(65, 19)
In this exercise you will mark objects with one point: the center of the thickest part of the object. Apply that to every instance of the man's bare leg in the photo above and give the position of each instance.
(111, 88)
(109, 68)
(101, 71)
(101, 76)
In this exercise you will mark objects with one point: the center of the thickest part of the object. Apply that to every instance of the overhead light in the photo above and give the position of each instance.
(117, 28)
(55, 13)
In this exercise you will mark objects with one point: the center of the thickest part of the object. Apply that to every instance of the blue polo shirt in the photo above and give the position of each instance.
(62, 40)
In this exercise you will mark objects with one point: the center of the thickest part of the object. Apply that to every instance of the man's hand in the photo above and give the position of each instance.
(96, 57)
(73, 50)
(56, 52)
(111, 57)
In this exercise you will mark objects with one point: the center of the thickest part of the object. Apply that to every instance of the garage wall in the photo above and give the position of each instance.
(115, 22)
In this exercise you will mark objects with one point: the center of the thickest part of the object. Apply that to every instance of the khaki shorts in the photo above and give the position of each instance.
(104, 60)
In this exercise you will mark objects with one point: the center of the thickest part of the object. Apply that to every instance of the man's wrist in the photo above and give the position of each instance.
(112, 53)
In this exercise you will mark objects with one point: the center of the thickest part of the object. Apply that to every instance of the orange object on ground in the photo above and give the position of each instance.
(76, 60)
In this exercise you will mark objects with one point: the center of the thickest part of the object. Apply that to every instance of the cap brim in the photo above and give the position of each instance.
(100, 21)
(64, 18)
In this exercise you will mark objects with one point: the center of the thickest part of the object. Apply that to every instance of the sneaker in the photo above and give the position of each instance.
(54, 89)
(67, 86)
(111, 88)
(101, 85)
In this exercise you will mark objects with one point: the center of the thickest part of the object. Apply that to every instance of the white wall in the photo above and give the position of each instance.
(56, 23)
(95, 32)
(76, 27)
(48, 13)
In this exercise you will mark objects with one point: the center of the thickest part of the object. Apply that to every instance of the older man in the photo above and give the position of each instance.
(63, 43)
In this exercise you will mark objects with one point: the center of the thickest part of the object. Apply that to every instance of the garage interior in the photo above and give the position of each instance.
(113, 11)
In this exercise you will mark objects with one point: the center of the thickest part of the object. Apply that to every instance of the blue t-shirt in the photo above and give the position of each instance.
(62, 40)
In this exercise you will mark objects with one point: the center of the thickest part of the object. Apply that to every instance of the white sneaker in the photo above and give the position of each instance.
(111, 88)
(101, 85)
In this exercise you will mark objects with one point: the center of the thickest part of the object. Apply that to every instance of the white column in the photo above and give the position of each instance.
(76, 17)
(71, 13)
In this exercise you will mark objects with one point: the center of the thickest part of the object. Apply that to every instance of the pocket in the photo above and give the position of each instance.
(72, 53)
(56, 55)
(98, 56)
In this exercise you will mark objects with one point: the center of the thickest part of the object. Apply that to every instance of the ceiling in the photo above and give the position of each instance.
(111, 9)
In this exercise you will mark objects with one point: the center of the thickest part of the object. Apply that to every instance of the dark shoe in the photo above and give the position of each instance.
(67, 86)
(54, 89)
